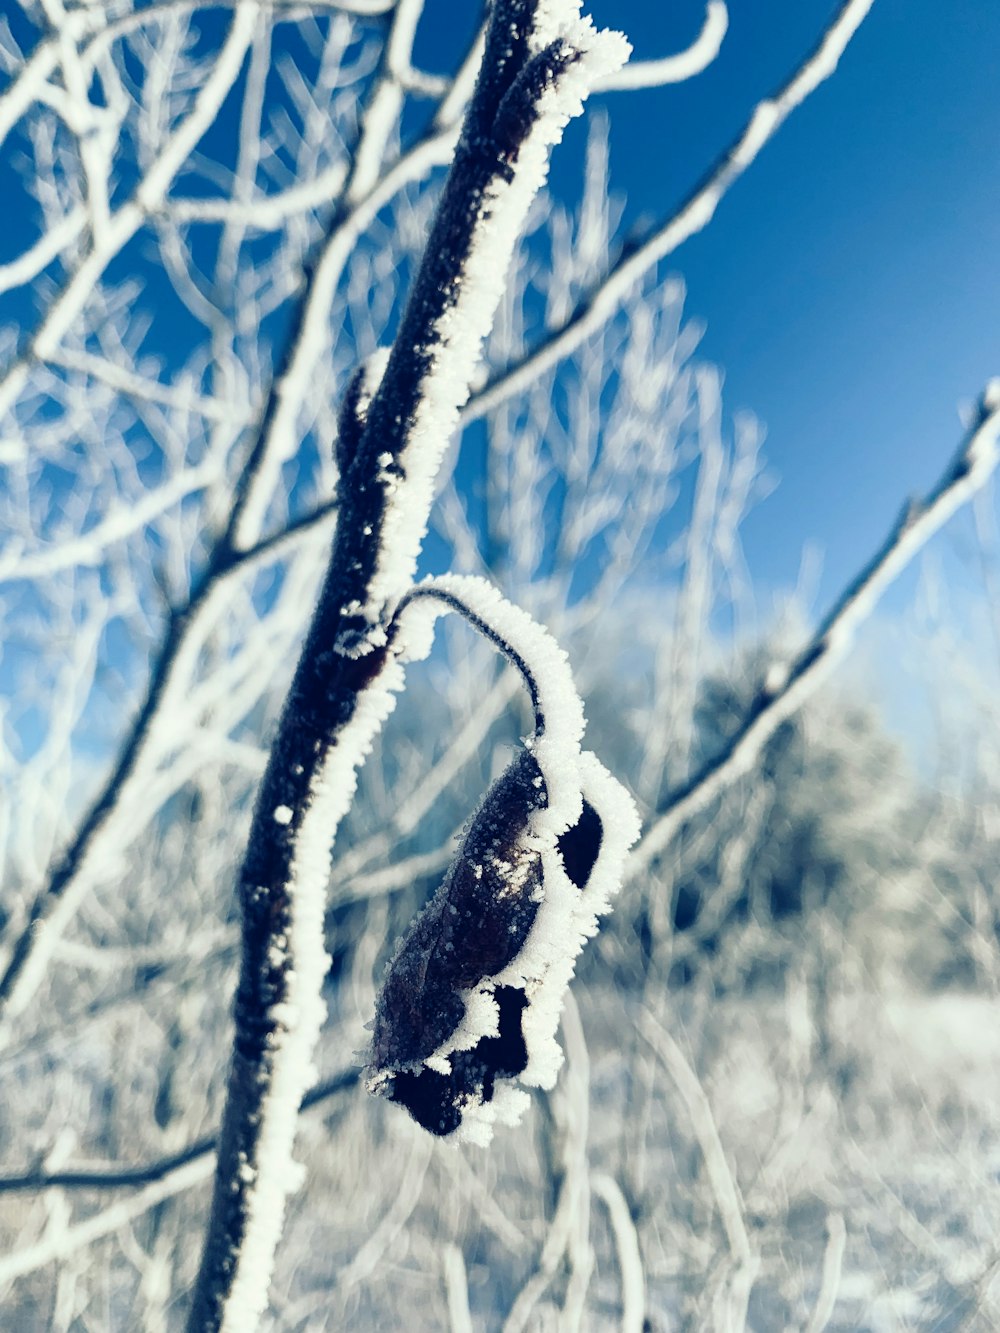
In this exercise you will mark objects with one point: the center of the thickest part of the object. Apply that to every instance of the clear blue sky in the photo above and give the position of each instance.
(851, 280)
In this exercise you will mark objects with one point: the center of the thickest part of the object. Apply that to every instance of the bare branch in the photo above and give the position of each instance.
(131, 1177)
(344, 682)
(678, 68)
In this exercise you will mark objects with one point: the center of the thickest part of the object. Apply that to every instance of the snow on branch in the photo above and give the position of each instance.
(27, 266)
(60, 1241)
(540, 61)
(416, 409)
(677, 68)
(693, 216)
(276, 438)
(472, 997)
(94, 31)
(88, 548)
(972, 466)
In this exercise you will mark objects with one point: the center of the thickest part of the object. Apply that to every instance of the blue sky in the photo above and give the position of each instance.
(850, 282)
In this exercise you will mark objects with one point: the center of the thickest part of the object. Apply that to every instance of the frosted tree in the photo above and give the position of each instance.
(225, 461)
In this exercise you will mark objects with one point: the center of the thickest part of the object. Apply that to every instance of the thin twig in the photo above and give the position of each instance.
(623, 1228)
(676, 68)
(702, 1121)
(456, 1282)
(833, 1263)
(130, 1177)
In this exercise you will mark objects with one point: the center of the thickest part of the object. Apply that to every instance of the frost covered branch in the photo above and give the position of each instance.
(126, 221)
(633, 1280)
(239, 542)
(131, 1177)
(784, 693)
(172, 473)
(677, 68)
(539, 62)
(156, 1182)
(607, 295)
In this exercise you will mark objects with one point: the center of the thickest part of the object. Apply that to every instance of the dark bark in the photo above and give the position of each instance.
(328, 682)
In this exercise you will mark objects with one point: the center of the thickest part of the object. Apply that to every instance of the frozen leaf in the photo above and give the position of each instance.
(471, 1000)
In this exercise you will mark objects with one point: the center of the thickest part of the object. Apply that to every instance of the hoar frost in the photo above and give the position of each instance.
(453, 345)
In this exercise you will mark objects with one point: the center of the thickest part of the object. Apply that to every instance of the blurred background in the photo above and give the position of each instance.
(778, 1109)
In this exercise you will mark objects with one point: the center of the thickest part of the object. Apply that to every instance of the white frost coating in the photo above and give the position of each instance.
(148, 197)
(383, 110)
(455, 341)
(283, 814)
(633, 1280)
(776, 677)
(372, 370)
(566, 915)
(313, 337)
(557, 749)
(482, 1019)
(566, 918)
(965, 476)
(301, 1012)
(507, 1107)
(677, 68)
(59, 1243)
(763, 123)
(52, 242)
(119, 522)
(544, 967)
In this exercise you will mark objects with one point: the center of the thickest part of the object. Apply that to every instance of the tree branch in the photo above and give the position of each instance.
(539, 63)
(57, 901)
(86, 25)
(677, 68)
(129, 217)
(131, 1177)
(972, 466)
(694, 214)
